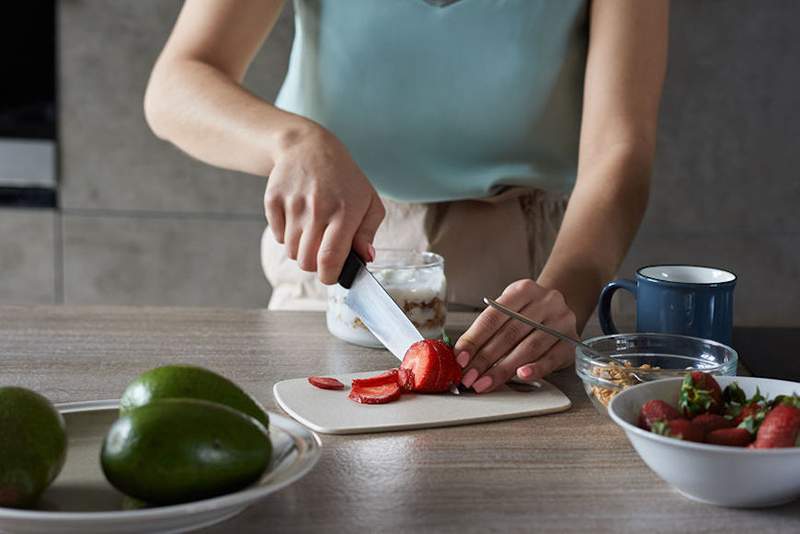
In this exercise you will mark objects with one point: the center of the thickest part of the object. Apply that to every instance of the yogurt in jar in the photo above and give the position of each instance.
(415, 280)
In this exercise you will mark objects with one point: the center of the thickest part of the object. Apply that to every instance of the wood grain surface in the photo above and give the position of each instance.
(567, 472)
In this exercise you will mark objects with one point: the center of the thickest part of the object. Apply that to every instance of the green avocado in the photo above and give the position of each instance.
(180, 450)
(33, 446)
(190, 382)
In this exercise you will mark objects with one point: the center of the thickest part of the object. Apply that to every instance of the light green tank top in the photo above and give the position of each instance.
(445, 103)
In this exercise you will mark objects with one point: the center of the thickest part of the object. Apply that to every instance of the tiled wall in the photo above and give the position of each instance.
(144, 224)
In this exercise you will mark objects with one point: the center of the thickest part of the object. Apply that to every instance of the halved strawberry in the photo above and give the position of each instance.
(389, 377)
(700, 393)
(380, 394)
(732, 437)
(324, 382)
(429, 366)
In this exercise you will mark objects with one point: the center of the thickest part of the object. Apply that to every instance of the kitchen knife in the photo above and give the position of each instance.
(376, 308)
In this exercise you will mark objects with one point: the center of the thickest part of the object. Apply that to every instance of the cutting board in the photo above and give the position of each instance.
(331, 412)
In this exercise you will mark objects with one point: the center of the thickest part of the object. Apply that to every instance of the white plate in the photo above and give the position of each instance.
(82, 501)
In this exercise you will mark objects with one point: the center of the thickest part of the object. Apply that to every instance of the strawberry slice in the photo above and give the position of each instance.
(389, 377)
(380, 394)
(324, 382)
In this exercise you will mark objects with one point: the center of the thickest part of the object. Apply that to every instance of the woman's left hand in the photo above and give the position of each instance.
(495, 347)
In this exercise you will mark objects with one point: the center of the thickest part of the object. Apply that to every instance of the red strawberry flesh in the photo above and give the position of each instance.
(389, 377)
(429, 366)
(324, 382)
(380, 394)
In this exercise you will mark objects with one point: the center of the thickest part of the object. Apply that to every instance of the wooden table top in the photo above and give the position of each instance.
(573, 471)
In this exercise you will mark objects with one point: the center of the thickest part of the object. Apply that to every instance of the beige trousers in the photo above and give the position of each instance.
(486, 244)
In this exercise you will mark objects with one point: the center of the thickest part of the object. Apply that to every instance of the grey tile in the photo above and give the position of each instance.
(109, 157)
(27, 256)
(165, 261)
(730, 120)
(768, 268)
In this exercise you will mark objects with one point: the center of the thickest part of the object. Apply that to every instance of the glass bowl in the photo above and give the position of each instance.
(415, 280)
(644, 357)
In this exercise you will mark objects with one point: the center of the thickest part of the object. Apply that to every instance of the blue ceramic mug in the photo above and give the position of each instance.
(677, 299)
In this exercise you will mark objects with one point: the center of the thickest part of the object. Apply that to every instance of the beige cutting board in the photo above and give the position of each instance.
(331, 412)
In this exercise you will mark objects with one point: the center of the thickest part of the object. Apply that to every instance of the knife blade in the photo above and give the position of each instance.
(375, 307)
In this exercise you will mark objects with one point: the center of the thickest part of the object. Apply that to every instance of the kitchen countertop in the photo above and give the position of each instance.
(573, 471)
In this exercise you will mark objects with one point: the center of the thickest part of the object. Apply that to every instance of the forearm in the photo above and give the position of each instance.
(604, 213)
(210, 116)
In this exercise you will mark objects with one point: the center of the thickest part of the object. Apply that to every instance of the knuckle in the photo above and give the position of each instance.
(272, 200)
(296, 203)
(524, 286)
(570, 318)
(554, 297)
(306, 263)
(326, 258)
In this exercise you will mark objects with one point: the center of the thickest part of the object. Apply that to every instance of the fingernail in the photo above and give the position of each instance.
(483, 384)
(371, 253)
(525, 372)
(469, 378)
(463, 358)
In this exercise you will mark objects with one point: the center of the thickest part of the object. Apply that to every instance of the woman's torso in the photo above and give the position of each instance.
(445, 103)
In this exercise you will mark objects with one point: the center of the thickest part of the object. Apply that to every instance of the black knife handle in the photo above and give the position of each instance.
(351, 266)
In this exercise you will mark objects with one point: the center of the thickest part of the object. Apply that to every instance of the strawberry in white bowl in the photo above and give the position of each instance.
(731, 445)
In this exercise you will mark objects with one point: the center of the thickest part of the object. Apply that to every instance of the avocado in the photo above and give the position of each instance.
(191, 382)
(179, 450)
(33, 446)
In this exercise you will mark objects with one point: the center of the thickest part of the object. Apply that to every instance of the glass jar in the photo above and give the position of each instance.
(415, 280)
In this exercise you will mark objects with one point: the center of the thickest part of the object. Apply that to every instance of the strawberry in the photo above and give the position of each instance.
(710, 422)
(324, 382)
(680, 429)
(429, 366)
(389, 377)
(656, 410)
(733, 437)
(739, 408)
(781, 426)
(380, 394)
(699, 393)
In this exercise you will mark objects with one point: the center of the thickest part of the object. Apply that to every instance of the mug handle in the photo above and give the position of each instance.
(604, 307)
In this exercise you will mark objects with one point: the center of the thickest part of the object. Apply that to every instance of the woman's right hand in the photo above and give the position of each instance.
(318, 204)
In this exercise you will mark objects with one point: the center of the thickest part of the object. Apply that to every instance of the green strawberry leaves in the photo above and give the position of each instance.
(660, 427)
(734, 394)
(693, 400)
(752, 422)
(446, 340)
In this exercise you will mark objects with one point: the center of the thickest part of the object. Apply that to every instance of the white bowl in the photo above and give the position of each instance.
(712, 474)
